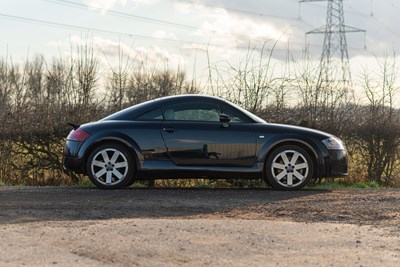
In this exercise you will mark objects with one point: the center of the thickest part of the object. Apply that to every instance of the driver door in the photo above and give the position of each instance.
(194, 136)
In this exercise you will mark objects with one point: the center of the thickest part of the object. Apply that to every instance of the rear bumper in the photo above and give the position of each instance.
(73, 164)
(71, 160)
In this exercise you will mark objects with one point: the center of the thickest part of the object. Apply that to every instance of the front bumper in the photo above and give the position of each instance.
(336, 164)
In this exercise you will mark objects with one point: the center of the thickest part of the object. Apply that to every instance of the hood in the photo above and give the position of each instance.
(290, 129)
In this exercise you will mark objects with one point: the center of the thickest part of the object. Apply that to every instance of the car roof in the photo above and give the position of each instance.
(158, 102)
(139, 109)
(188, 97)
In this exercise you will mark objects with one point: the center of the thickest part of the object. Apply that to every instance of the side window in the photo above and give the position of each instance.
(236, 116)
(153, 115)
(196, 111)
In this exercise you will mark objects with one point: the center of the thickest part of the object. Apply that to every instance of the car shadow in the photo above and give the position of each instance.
(38, 204)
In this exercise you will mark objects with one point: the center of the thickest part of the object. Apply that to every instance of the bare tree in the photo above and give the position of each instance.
(149, 82)
(117, 82)
(86, 73)
(325, 105)
(376, 133)
(248, 84)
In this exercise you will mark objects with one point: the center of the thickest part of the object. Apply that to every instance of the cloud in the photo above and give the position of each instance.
(104, 5)
(164, 35)
(228, 32)
(157, 56)
(109, 52)
(148, 54)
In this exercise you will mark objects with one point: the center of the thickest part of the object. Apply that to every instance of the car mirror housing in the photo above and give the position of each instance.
(225, 119)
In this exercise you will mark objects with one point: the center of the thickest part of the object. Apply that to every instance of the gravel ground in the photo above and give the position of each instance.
(52, 226)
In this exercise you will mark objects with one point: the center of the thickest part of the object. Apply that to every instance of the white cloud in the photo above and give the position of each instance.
(235, 31)
(197, 8)
(157, 55)
(109, 51)
(104, 5)
(164, 35)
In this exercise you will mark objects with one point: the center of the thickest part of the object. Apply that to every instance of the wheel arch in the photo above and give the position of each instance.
(270, 147)
(126, 142)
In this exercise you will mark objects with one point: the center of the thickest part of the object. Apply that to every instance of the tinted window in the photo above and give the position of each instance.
(131, 112)
(236, 116)
(245, 114)
(154, 115)
(192, 112)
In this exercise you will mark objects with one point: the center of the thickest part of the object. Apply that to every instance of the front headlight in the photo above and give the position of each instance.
(333, 143)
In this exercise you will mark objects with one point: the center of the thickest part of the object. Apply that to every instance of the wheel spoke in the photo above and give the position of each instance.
(115, 157)
(121, 165)
(101, 173)
(285, 158)
(290, 179)
(281, 175)
(109, 177)
(278, 166)
(301, 166)
(105, 156)
(294, 158)
(98, 163)
(298, 175)
(118, 174)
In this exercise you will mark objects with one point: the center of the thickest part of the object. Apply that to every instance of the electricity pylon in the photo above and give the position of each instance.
(334, 64)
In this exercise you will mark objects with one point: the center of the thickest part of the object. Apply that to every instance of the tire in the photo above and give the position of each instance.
(289, 168)
(110, 166)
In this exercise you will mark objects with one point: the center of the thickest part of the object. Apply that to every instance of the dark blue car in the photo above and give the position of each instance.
(193, 136)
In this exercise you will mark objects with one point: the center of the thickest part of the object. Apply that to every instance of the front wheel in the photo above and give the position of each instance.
(289, 168)
(110, 166)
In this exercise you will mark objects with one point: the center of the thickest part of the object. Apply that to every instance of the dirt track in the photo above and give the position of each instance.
(198, 227)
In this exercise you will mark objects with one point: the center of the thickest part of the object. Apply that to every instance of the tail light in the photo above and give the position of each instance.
(78, 135)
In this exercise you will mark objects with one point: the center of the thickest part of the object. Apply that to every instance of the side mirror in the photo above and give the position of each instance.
(225, 119)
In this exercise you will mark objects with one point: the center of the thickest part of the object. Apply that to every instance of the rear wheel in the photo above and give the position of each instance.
(289, 168)
(110, 166)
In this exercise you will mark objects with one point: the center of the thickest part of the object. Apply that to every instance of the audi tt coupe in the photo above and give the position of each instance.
(194, 136)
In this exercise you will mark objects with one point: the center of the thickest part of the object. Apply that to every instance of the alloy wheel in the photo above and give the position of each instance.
(290, 169)
(109, 166)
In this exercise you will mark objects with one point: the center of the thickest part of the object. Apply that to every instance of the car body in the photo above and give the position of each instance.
(195, 136)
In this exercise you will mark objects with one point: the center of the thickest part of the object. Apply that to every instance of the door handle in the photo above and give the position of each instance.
(169, 129)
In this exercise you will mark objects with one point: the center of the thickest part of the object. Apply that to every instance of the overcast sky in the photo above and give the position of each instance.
(180, 30)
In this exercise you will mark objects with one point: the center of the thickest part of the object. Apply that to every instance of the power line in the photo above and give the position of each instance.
(393, 4)
(323, 6)
(250, 12)
(371, 16)
(172, 24)
(143, 18)
(107, 32)
(237, 10)
(123, 14)
(335, 44)
(128, 35)
(87, 29)
(374, 18)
